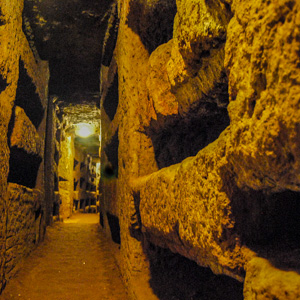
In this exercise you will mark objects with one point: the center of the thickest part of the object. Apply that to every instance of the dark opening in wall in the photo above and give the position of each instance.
(23, 167)
(58, 134)
(176, 277)
(2, 20)
(56, 156)
(114, 226)
(111, 101)
(176, 137)
(82, 165)
(267, 219)
(153, 23)
(75, 184)
(111, 35)
(111, 151)
(27, 98)
(101, 219)
(82, 180)
(3, 83)
(55, 183)
(75, 163)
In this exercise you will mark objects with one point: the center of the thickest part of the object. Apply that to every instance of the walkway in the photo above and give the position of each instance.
(74, 262)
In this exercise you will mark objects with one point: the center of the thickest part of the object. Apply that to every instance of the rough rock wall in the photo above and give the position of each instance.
(65, 174)
(215, 106)
(23, 98)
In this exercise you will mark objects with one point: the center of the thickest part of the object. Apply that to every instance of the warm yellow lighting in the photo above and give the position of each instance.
(84, 130)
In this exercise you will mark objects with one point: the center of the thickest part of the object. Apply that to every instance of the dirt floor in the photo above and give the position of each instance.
(74, 262)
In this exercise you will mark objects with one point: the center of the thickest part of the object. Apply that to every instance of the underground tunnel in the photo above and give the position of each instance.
(162, 136)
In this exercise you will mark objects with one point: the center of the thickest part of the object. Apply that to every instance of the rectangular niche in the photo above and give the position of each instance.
(27, 97)
(23, 167)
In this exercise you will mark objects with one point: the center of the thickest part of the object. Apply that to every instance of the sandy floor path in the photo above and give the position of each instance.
(74, 262)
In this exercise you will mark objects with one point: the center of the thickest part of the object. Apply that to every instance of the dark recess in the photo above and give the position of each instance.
(27, 98)
(75, 164)
(114, 226)
(175, 137)
(176, 277)
(111, 101)
(62, 179)
(101, 219)
(135, 220)
(75, 184)
(111, 151)
(3, 83)
(154, 24)
(110, 38)
(266, 219)
(23, 167)
(267, 222)
(55, 183)
(56, 156)
(82, 180)
(2, 21)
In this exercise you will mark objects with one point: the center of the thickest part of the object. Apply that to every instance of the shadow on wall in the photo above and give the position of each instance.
(178, 278)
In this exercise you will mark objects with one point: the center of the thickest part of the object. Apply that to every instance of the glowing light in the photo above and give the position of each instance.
(84, 130)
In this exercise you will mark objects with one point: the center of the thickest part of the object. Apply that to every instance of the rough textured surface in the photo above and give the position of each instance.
(24, 134)
(84, 266)
(267, 282)
(225, 90)
(264, 94)
(65, 173)
(18, 234)
(23, 227)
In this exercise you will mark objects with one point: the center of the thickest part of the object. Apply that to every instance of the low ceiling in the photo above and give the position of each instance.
(70, 34)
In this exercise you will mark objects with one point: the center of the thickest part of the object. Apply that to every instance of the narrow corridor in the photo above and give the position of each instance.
(74, 262)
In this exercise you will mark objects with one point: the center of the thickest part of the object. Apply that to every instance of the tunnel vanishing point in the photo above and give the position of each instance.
(194, 160)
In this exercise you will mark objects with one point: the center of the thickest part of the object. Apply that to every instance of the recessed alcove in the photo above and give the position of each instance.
(113, 222)
(3, 83)
(23, 167)
(267, 219)
(27, 97)
(177, 137)
(82, 180)
(110, 38)
(111, 151)
(111, 100)
(75, 184)
(175, 277)
(55, 183)
(153, 23)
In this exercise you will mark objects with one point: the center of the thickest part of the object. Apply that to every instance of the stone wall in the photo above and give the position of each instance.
(65, 174)
(23, 101)
(207, 120)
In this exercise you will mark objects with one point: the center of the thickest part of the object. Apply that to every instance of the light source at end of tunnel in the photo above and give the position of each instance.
(84, 130)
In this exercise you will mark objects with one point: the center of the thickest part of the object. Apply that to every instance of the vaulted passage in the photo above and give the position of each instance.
(149, 149)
